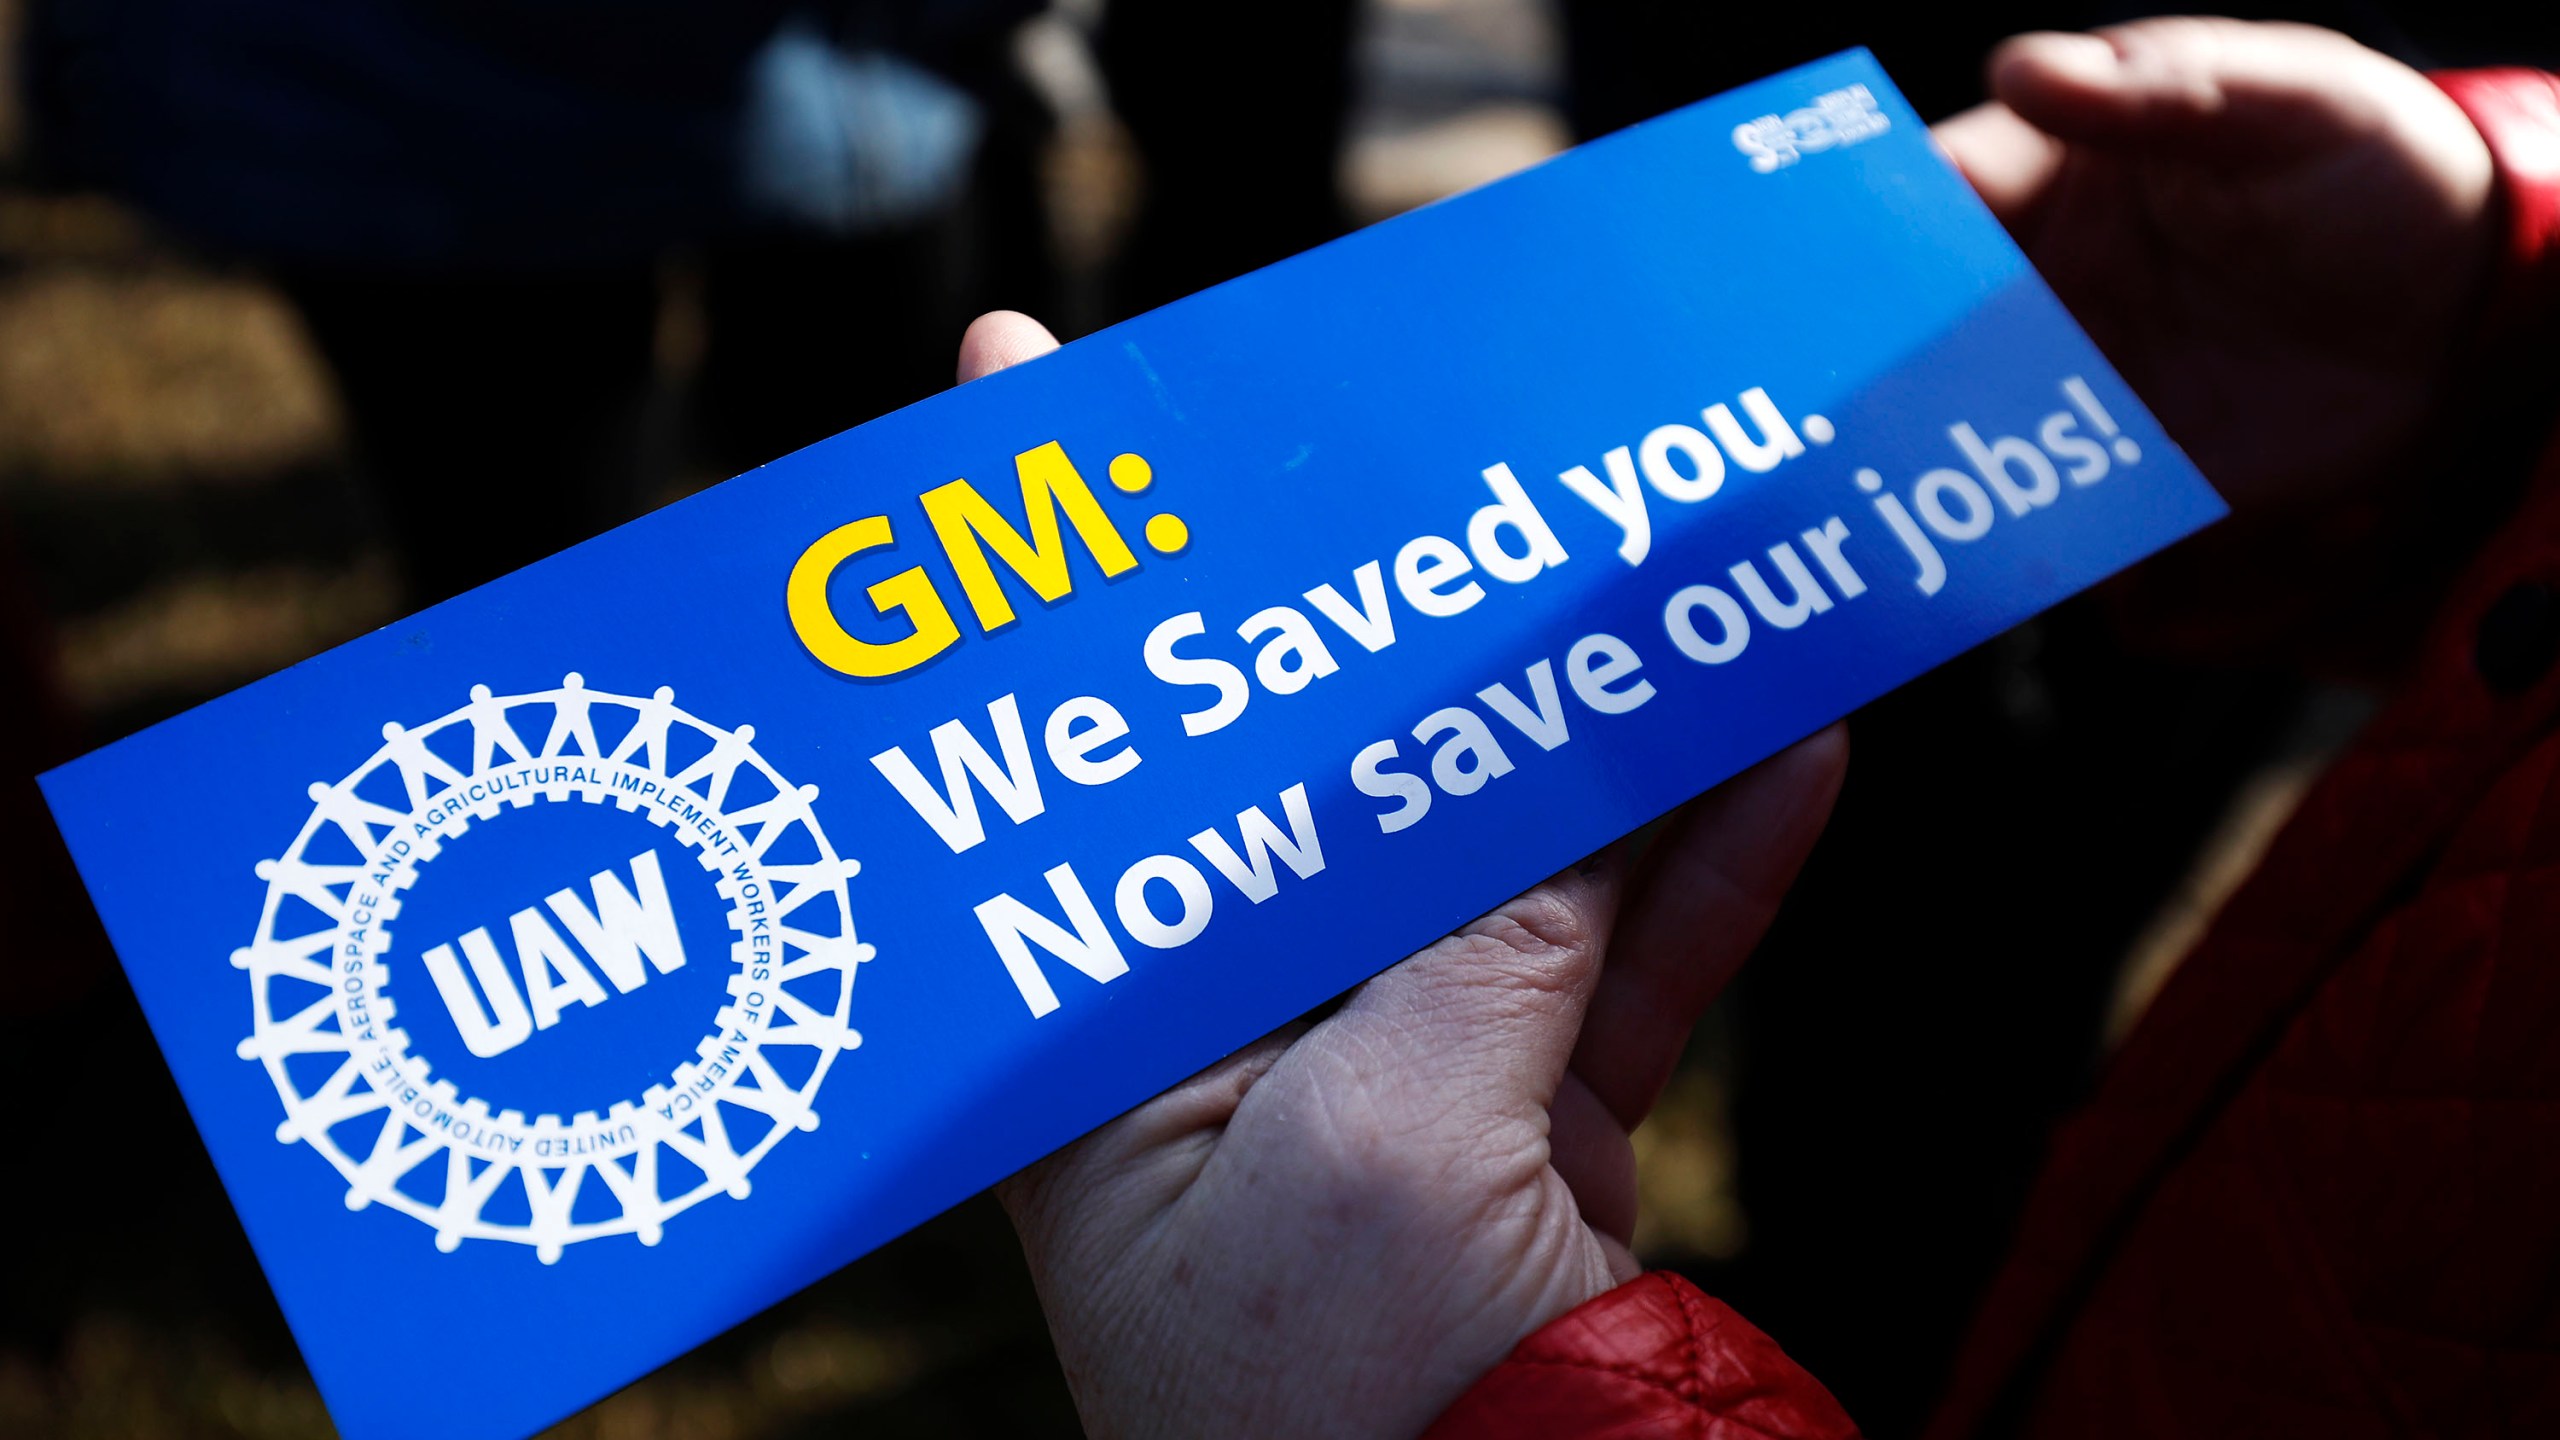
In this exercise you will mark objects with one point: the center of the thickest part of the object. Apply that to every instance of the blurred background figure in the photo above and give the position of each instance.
(316, 311)
(474, 207)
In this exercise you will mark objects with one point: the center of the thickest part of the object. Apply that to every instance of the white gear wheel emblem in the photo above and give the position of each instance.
(401, 1136)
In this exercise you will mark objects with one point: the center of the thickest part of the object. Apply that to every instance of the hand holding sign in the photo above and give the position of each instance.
(1427, 1174)
(2232, 209)
(2278, 236)
(1336, 1230)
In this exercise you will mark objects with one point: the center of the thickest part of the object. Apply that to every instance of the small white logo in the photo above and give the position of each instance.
(355, 1091)
(1835, 119)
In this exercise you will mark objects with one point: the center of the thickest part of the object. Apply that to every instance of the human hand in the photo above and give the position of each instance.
(1335, 1231)
(1338, 1229)
(2277, 235)
(2274, 232)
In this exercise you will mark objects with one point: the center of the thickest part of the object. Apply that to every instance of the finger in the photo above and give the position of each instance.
(2008, 162)
(1498, 1003)
(1590, 1149)
(1002, 338)
(1708, 893)
(2220, 91)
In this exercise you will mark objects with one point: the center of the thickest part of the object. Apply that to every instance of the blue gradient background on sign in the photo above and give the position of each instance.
(1303, 420)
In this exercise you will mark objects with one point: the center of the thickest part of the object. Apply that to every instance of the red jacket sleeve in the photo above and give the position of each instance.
(1654, 1357)
(2518, 112)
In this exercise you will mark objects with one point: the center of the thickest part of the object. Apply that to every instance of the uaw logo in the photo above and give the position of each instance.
(493, 995)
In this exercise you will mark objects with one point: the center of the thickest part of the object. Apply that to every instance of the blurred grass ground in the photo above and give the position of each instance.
(175, 480)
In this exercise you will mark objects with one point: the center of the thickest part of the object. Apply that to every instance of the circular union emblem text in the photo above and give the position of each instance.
(354, 1089)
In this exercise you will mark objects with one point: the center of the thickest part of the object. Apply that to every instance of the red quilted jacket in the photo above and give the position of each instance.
(2318, 1192)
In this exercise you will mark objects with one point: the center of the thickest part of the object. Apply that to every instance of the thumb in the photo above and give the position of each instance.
(2010, 163)
(2231, 92)
(1000, 339)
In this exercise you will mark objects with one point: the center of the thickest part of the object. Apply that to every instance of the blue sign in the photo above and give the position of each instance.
(566, 973)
